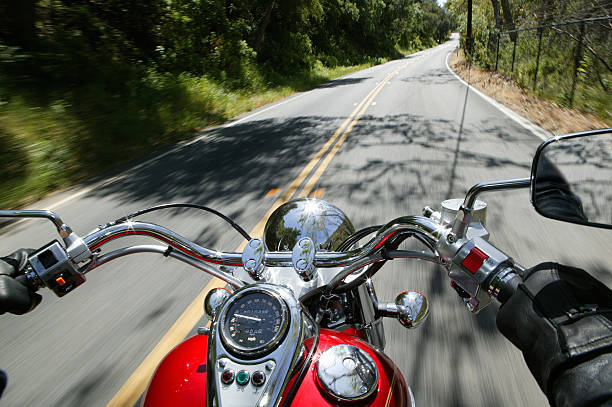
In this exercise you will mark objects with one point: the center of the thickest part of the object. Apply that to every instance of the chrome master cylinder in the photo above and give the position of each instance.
(450, 207)
(451, 248)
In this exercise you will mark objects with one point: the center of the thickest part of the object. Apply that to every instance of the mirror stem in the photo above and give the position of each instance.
(464, 215)
(477, 189)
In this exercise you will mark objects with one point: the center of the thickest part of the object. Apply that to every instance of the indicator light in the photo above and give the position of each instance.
(258, 378)
(227, 376)
(60, 281)
(242, 378)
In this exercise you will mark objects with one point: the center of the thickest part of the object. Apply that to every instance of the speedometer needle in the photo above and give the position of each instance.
(248, 317)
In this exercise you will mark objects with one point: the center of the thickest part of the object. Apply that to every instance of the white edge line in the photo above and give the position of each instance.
(525, 123)
(265, 110)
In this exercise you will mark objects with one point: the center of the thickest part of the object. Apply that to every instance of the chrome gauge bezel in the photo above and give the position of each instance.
(251, 353)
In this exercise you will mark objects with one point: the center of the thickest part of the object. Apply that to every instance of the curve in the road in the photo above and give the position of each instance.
(132, 389)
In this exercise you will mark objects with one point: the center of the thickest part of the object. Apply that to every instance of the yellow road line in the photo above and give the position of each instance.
(288, 193)
(136, 384)
(323, 166)
(131, 390)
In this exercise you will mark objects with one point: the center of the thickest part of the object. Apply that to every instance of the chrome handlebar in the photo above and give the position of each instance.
(435, 235)
(428, 230)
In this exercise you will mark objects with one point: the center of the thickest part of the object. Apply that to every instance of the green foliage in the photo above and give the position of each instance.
(88, 84)
(569, 74)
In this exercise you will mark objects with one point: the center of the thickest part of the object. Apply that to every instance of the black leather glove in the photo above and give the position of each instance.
(16, 296)
(554, 196)
(561, 319)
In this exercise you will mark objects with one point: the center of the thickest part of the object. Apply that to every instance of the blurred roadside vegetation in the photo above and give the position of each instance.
(88, 84)
(575, 67)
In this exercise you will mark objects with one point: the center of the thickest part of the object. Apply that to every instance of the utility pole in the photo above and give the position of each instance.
(468, 39)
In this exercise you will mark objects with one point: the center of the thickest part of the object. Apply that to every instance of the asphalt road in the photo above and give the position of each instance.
(406, 151)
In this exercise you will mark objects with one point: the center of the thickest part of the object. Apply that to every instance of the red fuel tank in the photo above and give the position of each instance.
(180, 379)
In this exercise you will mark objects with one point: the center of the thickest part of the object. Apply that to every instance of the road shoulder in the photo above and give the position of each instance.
(545, 114)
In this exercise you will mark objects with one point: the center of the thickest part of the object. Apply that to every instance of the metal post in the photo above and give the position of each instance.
(514, 52)
(468, 40)
(497, 51)
(577, 58)
(535, 76)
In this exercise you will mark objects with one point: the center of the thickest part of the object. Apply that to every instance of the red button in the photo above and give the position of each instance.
(474, 260)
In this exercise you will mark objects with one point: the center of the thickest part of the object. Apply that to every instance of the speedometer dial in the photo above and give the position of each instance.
(254, 323)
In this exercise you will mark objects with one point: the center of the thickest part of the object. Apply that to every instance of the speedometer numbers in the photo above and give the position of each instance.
(254, 323)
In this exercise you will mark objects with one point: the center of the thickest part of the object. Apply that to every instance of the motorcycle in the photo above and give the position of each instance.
(300, 321)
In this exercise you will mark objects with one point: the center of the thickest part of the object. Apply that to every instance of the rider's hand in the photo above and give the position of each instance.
(561, 319)
(15, 295)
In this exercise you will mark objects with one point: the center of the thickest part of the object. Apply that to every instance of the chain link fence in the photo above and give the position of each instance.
(569, 62)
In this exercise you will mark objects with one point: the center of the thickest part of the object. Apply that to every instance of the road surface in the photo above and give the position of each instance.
(403, 148)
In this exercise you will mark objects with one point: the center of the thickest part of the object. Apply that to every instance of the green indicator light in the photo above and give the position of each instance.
(242, 377)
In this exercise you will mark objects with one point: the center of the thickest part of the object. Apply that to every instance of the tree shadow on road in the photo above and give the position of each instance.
(405, 159)
(341, 82)
(439, 76)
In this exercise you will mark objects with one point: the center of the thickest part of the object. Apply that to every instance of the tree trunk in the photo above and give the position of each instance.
(20, 18)
(508, 17)
(497, 13)
(262, 27)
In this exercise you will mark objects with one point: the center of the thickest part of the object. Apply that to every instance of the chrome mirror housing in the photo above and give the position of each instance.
(412, 308)
(214, 300)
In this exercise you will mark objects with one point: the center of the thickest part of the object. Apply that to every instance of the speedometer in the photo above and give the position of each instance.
(254, 323)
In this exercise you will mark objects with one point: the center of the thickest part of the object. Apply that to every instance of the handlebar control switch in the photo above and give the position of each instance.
(479, 265)
(303, 256)
(54, 268)
(480, 260)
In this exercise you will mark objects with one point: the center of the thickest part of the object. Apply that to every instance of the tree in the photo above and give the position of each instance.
(19, 18)
(508, 18)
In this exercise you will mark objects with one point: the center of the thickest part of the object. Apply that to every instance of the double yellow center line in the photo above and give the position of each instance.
(136, 384)
(345, 129)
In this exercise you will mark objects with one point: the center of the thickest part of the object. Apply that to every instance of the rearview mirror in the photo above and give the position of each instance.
(571, 178)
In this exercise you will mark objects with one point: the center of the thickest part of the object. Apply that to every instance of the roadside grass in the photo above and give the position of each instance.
(52, 137)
